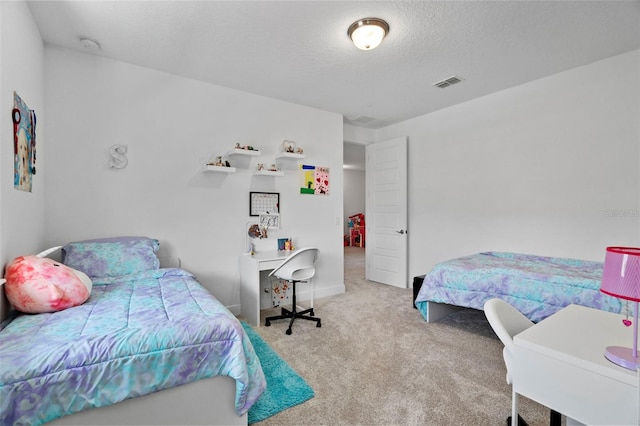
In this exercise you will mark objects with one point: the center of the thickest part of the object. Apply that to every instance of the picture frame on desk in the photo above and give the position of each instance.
(282, 244)
(263, 202)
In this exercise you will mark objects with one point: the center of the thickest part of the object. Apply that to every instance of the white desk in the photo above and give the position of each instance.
(250, 267)
(560, 363)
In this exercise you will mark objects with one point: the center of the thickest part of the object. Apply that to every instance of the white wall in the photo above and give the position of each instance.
(172, 126)
(551, 167)
(22, 213)
(21, 55)
(359, 135)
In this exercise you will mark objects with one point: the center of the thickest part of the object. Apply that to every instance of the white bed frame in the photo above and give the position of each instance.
(437, 311)
(205, 402)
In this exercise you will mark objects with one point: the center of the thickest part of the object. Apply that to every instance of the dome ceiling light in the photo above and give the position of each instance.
(368, 33)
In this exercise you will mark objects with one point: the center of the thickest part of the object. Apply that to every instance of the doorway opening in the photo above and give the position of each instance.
(354, 204)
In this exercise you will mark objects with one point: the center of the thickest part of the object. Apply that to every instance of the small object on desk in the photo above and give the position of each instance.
(285, 244)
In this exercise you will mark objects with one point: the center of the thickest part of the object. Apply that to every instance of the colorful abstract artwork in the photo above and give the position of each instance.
(314, 180)
(24, 144)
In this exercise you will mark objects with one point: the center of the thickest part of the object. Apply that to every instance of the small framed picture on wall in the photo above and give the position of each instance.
(270, 220)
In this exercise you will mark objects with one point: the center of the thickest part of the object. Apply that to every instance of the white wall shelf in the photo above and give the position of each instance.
(219, 169)
(268, 173)
(289, 155)
(235, 151)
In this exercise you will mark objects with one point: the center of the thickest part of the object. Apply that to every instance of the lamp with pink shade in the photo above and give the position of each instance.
(621, 278)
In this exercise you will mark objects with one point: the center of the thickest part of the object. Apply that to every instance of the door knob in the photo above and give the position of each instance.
(401, 232)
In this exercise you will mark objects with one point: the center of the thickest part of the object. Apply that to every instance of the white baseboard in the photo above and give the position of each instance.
(326, 292)
(235, 309)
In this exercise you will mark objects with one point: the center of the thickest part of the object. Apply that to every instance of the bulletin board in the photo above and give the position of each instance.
(263, 202)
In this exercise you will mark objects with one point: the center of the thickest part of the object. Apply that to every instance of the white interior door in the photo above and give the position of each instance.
(386, 212)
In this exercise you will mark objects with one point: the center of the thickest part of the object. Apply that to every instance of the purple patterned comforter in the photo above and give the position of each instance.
(137, 334)
(537, 286)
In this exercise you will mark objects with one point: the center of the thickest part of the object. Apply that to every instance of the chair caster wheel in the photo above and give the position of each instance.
(288, 331)
(267, 323)
(311, 313)
(318, 324)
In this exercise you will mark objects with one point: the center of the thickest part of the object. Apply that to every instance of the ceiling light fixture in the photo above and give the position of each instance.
(368, 33)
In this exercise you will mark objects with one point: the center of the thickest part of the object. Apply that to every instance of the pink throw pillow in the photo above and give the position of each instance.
(39, 284)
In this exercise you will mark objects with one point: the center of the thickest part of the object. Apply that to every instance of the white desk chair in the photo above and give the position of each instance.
(506, 322)
(295, 268)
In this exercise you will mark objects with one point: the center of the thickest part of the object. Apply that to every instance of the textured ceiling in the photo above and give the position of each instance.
(299, 51)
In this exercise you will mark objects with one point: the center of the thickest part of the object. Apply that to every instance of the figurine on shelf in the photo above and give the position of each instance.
(226, 163)
(273, 168)
(288, 146)
(245, 147)
(218, 162)
(299, 150)
(260, 167)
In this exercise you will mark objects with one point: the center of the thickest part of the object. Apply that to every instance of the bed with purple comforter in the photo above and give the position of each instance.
(137, 334)
(537, 286)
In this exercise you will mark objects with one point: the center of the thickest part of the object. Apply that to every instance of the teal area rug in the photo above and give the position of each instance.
(285, 387)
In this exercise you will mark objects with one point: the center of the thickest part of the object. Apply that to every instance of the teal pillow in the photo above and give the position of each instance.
(112, 257)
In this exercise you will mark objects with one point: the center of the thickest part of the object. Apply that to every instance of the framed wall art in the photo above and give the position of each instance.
(24, 144)
(314, 180)
(270, 220)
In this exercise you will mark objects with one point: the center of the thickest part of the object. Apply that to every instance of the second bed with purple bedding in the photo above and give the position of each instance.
(537, 286)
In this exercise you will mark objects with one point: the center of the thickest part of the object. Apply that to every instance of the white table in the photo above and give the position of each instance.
(560, 363)
(250, 286)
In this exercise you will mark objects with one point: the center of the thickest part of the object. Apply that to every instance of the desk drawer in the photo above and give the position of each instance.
(270, 264)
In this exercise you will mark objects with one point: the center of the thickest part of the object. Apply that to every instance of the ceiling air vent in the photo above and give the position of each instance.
(448, 82)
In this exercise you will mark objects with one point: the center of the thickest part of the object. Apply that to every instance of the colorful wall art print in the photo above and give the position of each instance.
(24, 144)
(314, 180)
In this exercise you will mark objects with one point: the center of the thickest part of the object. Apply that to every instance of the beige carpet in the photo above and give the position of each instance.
(375, 361)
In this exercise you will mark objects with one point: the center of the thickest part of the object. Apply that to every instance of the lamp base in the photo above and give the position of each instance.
(623, 357)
